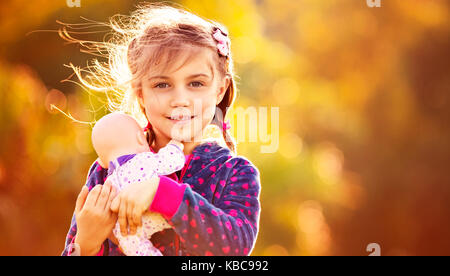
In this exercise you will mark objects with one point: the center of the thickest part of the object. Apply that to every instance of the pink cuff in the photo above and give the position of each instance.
(70, 245)
(168, 197)
(102, 249)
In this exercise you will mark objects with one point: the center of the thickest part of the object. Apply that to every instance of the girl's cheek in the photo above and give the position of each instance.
(154, 105)
(209, 111)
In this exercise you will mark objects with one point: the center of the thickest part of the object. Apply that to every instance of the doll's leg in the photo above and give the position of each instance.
(135, 245)
(152, 223)
(146, 248)
(125, 243)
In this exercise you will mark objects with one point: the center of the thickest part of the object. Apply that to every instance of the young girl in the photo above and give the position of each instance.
(179, 76)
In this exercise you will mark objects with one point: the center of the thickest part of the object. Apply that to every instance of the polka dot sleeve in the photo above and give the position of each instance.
(228, 225)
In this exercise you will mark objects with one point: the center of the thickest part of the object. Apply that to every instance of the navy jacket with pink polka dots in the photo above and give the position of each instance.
(212, 205)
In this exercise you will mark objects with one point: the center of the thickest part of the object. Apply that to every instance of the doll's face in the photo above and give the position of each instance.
(181, 102)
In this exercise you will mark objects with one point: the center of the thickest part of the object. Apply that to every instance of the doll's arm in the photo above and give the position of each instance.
(170, 158)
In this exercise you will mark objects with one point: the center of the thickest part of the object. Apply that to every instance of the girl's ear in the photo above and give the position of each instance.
(140, 101)
(222, 89)
(137, 88)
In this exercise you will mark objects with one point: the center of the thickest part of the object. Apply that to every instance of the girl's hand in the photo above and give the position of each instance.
(132, 202)
(113, 238)
(94, 218)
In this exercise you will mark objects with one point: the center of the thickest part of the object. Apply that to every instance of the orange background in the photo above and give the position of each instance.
(364, 138)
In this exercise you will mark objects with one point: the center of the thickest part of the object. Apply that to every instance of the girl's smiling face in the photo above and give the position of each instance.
(180, 102)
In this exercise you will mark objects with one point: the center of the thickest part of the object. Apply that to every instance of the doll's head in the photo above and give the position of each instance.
(166, 62)
(117, 134)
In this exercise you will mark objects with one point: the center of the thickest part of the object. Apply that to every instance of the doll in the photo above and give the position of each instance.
(121, 144)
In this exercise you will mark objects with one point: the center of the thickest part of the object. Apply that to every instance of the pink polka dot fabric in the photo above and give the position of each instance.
(142, 167)
(146, 165)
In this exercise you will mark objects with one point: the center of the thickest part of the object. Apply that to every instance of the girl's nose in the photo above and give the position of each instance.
(180, 98)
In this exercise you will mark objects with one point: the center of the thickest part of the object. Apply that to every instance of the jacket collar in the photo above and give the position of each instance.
(202, 155)
(210, 149)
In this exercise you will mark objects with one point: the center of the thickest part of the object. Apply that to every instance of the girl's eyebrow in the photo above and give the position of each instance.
(189, 77)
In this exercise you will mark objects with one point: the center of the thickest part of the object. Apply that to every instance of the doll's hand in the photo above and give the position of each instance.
(132, 202)
(177, 143)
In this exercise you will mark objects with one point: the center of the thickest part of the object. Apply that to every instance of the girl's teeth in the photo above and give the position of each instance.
(181, 119)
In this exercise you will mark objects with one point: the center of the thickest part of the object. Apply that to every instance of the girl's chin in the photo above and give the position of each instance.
(185, 137)
(184, 133)
(181, 134)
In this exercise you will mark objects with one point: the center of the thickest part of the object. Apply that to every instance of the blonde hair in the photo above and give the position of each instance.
(152, 36)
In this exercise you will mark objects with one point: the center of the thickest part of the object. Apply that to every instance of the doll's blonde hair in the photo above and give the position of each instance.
(154, 35)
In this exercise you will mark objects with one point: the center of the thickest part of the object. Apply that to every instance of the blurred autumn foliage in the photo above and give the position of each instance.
(364, 106)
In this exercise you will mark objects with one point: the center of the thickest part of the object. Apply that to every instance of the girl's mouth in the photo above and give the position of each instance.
(180, 120)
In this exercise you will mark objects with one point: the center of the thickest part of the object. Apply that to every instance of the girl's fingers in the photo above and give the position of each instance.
(130, 208)
(112, 196)
(103, 197)
(123, 218)
(107, 182)
(81, 199)
(115, 204)
(137, 217)
(92, 197)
